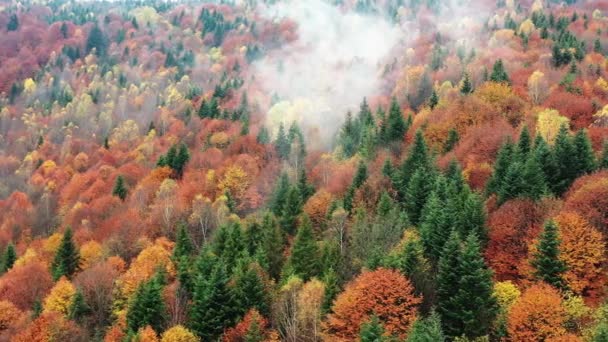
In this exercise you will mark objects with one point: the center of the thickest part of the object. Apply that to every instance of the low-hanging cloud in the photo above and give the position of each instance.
(337, 59)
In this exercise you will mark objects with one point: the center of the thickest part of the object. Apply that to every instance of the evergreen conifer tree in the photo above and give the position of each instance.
(291, 210)
(372, 331)
(148, 306)
(249, 290)
(67, 257)
(564, 152)
(499, 74)
(9, 258)
(120, 189)
(303, 261)
(396, 126)
(467, 86)
(281, 143)
(78, 308)
(546, 262)
(183, 243)
(583, 153)
(426, 329)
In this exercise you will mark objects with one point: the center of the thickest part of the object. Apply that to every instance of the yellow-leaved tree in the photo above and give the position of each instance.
(60, 298)
(179, 334)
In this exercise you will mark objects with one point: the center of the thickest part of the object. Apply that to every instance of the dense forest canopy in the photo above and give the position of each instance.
(319, 170)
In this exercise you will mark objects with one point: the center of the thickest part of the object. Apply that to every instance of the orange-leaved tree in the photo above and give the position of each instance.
(384, 293)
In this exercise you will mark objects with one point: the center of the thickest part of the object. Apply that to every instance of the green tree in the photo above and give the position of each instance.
(427, 329)
(448, 278)
(583, 153)
(501, 167)
(183, 243)
(180, 161)
(372, 331)
(120, 189)
(467, 86)
(281, 143)
(9, 258)
(499, 74)
(270, 253)
(13, 23)
(433, 100)
(303, 261)
(477, 306)
(291, 210)
(419, 187)
(332, 288)
(564, 152)
(78, 308)
(147, 306)
(279, 196)
(525, 141)
(213, 306)
(263, 136)
(98, 41)
(546, 262)
(249, 289)
(534, 179)
(67, 257)
(451, 141)
(396, 126)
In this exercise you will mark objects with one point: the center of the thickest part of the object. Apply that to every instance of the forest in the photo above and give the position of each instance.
(304, 170)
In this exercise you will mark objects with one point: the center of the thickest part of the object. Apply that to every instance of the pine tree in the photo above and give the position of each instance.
(279, 196)
(513, 184)
(475, 302)
(372, 331)
(203, 110)
(546, 262)
(427, 329)
(9, 258)
(291, 210)
(303, 261)
(332, 288)
(501, 166)
(525, 141)
(433, 100)
(213, 307)
(213, 108)
(451, 141)
(583, 153)
(546, 160)
(183, 243)
(270, 254)
(499, 74)
(263, 136)
(249, 290)
(418, 157)
(78, 308)
(472, 217)
(534, 179)
(467, 86)
(148, 306)
(419, 187)
(448, 277)
(396, 126)
(181, 159)
(564, 152)
(435, 227)
(282, 144)
(120, 189)
(67, 258)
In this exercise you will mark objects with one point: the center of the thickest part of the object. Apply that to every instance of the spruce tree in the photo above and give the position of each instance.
(396, 126)
(583, 153)
(426, 329)
(67, 257)
(372, 331)
(291, 210)
(13, 23)
(203, 110)
(534, 179)
(332, 289)
(546, 160)
(213, 306)
(282, 144)
(183, 243)
(467, 86)
(148, 306)
(472, 217)
(475, 302)
(546, 262)
(435, 226)
(433, 100)
(120, 189)
(9, 258)
(78, 308)
(513, 184)
(451, 141)
(249, 290)
(270, 254)
(564, 152)
(306, 189)
(448, 278)
(279, 196)
(263, 136)
(303, 261)
(499, 74)
(501, 167)
(98, 41)
(525, 141)
(419, 187)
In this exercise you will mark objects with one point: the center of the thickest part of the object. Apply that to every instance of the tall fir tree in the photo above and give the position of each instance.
(524, 143)
(433, 100)
(8, 258)
(180, 161)
(564, 152)
(148, 306)
(281, 143)
(499, 74)
(501, 167)
(396, 126)
(451, 141)
(467, 86)
(67, 257)
(448, 278)
(120, 189)
(183, 243)
(249, 290)
(78, 307)
(279, 196)
(270, 254)
(213, 306)
(548, 267)
(418, 189)
(303, 261)
(291, 210)
(475, 302)
(583, 153)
